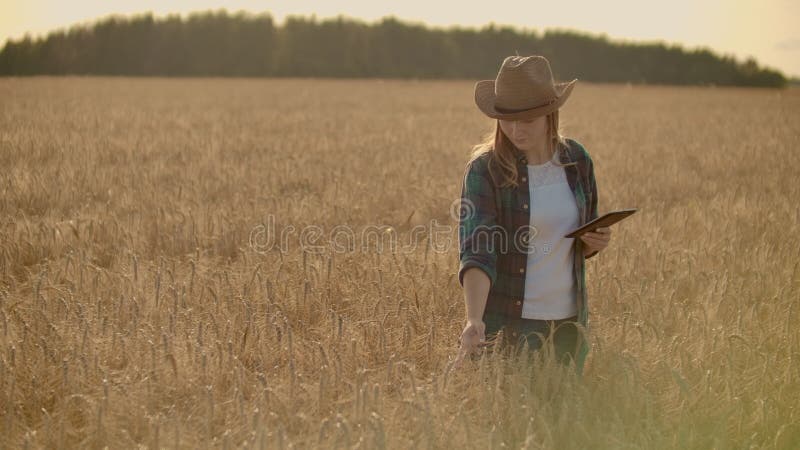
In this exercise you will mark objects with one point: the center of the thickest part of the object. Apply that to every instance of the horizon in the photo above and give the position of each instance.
(779, 46)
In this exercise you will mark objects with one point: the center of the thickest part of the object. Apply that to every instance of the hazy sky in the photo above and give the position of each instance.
(764, 29)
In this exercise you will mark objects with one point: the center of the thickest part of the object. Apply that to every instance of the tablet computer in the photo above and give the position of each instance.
(605, 220)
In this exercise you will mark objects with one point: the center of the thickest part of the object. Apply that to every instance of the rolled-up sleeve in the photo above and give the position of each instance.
(478, 229)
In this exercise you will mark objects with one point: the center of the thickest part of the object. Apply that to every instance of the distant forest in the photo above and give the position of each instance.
(217, 43)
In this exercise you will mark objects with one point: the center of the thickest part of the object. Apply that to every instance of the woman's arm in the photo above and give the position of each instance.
(478, 269)
(597, 240)
(476, 291)
(588, 252)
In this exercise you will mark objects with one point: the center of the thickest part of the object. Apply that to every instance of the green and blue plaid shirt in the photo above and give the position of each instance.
(493, 224)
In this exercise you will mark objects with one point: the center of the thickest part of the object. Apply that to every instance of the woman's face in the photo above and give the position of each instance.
(527, 133)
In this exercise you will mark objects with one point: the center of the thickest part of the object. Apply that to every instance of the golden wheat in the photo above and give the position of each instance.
(136, 312)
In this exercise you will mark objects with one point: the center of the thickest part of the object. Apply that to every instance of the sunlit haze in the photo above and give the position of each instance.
(765, 29)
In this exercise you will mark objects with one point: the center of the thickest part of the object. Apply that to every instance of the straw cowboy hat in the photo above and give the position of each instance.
(524, 88)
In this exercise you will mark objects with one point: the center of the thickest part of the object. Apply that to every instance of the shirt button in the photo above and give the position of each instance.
(519, 302)
(524, 178)
(525, 206)
(521, 270)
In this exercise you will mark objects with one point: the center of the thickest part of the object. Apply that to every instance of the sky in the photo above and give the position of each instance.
(763, 29)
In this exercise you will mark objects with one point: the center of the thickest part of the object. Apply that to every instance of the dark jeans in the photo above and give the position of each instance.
(516, 332)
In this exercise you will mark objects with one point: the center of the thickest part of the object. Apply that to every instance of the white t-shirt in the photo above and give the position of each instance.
(550, 291)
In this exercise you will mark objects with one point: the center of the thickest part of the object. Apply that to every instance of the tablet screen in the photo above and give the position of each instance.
(605, 220)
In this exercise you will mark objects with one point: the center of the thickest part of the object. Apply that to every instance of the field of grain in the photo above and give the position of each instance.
(140, 306)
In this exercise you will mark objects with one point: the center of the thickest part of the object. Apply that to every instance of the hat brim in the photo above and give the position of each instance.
(485, 96)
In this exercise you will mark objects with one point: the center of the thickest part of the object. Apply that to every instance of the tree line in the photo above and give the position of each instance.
(218, 43)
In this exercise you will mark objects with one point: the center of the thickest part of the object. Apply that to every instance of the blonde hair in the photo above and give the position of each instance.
(501, 158)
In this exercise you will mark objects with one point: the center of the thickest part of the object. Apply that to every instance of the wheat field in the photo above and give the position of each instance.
(141, 307)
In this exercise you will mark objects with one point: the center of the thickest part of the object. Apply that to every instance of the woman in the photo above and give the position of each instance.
(524, 189)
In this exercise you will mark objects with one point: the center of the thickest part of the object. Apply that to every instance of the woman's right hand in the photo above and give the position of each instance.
(472, 338)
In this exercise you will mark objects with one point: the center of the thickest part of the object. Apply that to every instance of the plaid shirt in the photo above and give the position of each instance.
(495, 239)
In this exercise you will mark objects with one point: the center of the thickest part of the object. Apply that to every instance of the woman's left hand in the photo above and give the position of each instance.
(596, 240)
